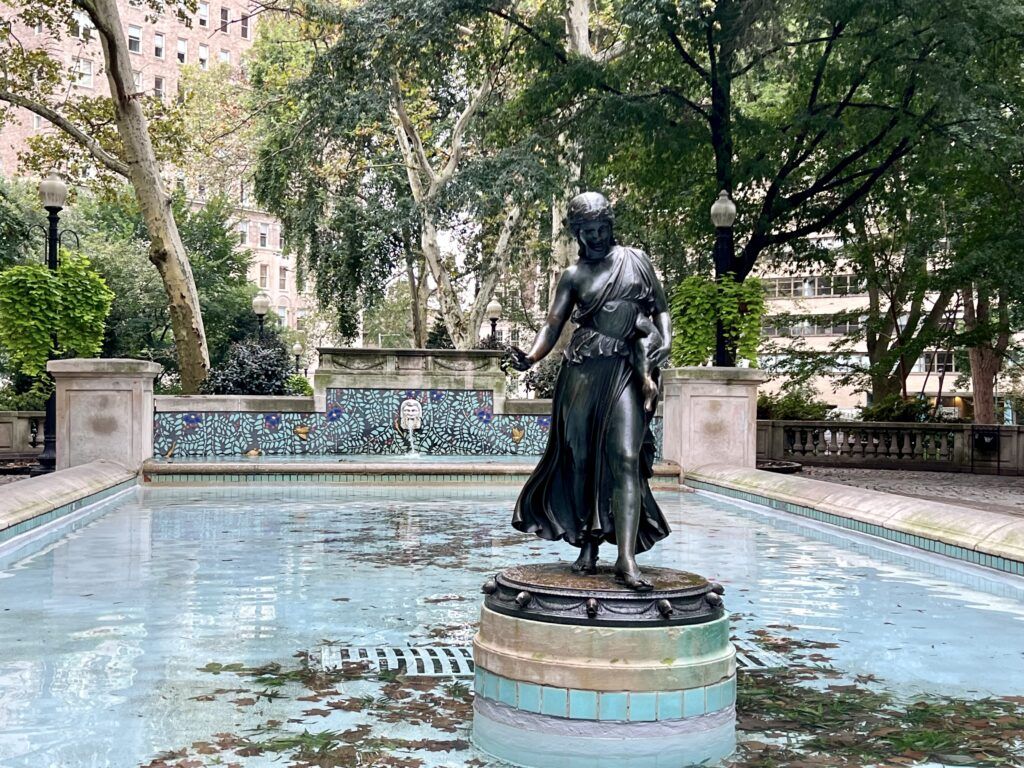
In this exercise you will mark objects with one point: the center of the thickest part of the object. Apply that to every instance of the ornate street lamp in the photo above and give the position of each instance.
(260, 307)
(723, 215)
(297, 351)
(493, 313)
(53, 193)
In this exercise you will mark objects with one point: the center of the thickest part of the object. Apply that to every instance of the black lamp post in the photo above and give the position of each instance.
(260, 307)
(493, 314)
(53, 192)
(297, 351)
(723, 215)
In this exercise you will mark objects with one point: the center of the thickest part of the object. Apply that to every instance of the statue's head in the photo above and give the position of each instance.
(591, 221)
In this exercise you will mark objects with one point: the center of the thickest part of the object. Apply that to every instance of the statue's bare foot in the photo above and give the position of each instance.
(630, 576)
(587, 561)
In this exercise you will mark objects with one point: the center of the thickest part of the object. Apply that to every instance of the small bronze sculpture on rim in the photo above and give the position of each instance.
(592, 483)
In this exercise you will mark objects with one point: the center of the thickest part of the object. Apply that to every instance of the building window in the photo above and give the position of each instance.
(245, 26)
(158, 87)
(282, 278)
(264, 235)
(81, 26)
(243, 232)
(39, 28)
(282, 312)
(37, 122)
(204, 56)
(225, 56)
(158, 45)
(137, 80)
(203, 14)
(135, 39)
(182, 51)
(300, 319)
(81, 71)
(264, 276)
(225, 19)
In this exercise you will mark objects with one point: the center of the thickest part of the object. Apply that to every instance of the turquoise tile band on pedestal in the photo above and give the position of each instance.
(625, 706)
(1005, 564)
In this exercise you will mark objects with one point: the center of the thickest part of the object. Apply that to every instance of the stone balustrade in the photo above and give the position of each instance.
(21, 433)
(931, 446)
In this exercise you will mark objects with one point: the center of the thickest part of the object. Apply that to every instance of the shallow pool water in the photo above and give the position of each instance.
(105, 631)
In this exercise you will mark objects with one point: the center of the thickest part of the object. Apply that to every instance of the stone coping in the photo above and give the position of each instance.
(378, 351)
(107, 366)
(948, 529)
(233, 403)
(713, 374)
(37, 496)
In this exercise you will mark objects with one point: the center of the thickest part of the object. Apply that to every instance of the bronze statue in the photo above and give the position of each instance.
(592, 485)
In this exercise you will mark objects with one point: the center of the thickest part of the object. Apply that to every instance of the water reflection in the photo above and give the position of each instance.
(103, 632)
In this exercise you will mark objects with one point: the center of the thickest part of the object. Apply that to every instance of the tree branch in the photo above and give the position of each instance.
(105, 158)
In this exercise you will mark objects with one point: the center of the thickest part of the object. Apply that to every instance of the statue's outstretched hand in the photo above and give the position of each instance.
(514, 357)
(659, 357)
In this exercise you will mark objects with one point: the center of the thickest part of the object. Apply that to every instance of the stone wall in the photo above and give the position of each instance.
(16, 433)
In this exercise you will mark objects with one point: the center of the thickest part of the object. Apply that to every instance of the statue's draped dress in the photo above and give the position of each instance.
(558, 502)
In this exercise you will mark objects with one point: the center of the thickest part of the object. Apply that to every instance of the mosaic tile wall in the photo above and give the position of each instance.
(361, 421)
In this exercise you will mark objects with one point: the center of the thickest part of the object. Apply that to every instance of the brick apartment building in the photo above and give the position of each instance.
(221, 32)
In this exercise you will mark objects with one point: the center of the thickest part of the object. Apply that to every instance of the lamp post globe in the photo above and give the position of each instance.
(53, 191)
(297, 351)
(723, 216)
(493, 313)
(260, 307)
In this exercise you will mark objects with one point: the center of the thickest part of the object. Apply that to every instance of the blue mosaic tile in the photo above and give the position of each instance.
(582, 705)
(612, 706)
(456, 422)
(554, 701)
(529, 697)
(643, 707)
(670, 705)
(507, 691)
(693, 702)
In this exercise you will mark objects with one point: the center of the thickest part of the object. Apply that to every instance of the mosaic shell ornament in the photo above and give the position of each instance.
(302, 431)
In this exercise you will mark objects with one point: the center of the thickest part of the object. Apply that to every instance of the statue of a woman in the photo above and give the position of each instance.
(592, 483)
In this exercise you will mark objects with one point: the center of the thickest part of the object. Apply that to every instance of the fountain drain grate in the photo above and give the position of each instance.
(457, 661)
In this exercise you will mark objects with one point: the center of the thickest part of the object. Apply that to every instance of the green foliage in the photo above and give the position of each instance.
(113, 233)
(20, 214)
(895, 408)
(542, 377)
(438, 336)
(298, 385)
(696, 304)
(33, 397)
(794, 405)
(252, 366)
(44, 313)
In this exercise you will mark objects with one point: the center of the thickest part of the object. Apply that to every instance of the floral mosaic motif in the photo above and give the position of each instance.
(362, 421)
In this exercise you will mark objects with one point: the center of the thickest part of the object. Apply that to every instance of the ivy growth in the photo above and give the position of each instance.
(58, 314)
(698, 302)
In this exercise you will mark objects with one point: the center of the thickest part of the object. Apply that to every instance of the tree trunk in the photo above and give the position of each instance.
(986, 356)
(166, 250)
(985, 365)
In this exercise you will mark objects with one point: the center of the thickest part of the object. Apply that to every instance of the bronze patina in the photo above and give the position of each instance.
(592, 484)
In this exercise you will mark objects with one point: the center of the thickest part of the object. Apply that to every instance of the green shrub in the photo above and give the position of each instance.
(252, 367)
(795, 405)
(298, 385)
(895, 408)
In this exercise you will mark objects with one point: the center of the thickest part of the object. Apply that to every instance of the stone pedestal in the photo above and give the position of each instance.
(104, 410)
(576, 671)
(710, 415)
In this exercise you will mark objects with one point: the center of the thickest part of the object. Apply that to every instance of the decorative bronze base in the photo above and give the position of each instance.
(551, 592)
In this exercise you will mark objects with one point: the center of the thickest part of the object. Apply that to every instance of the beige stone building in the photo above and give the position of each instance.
(220, 33)
(812, 301)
